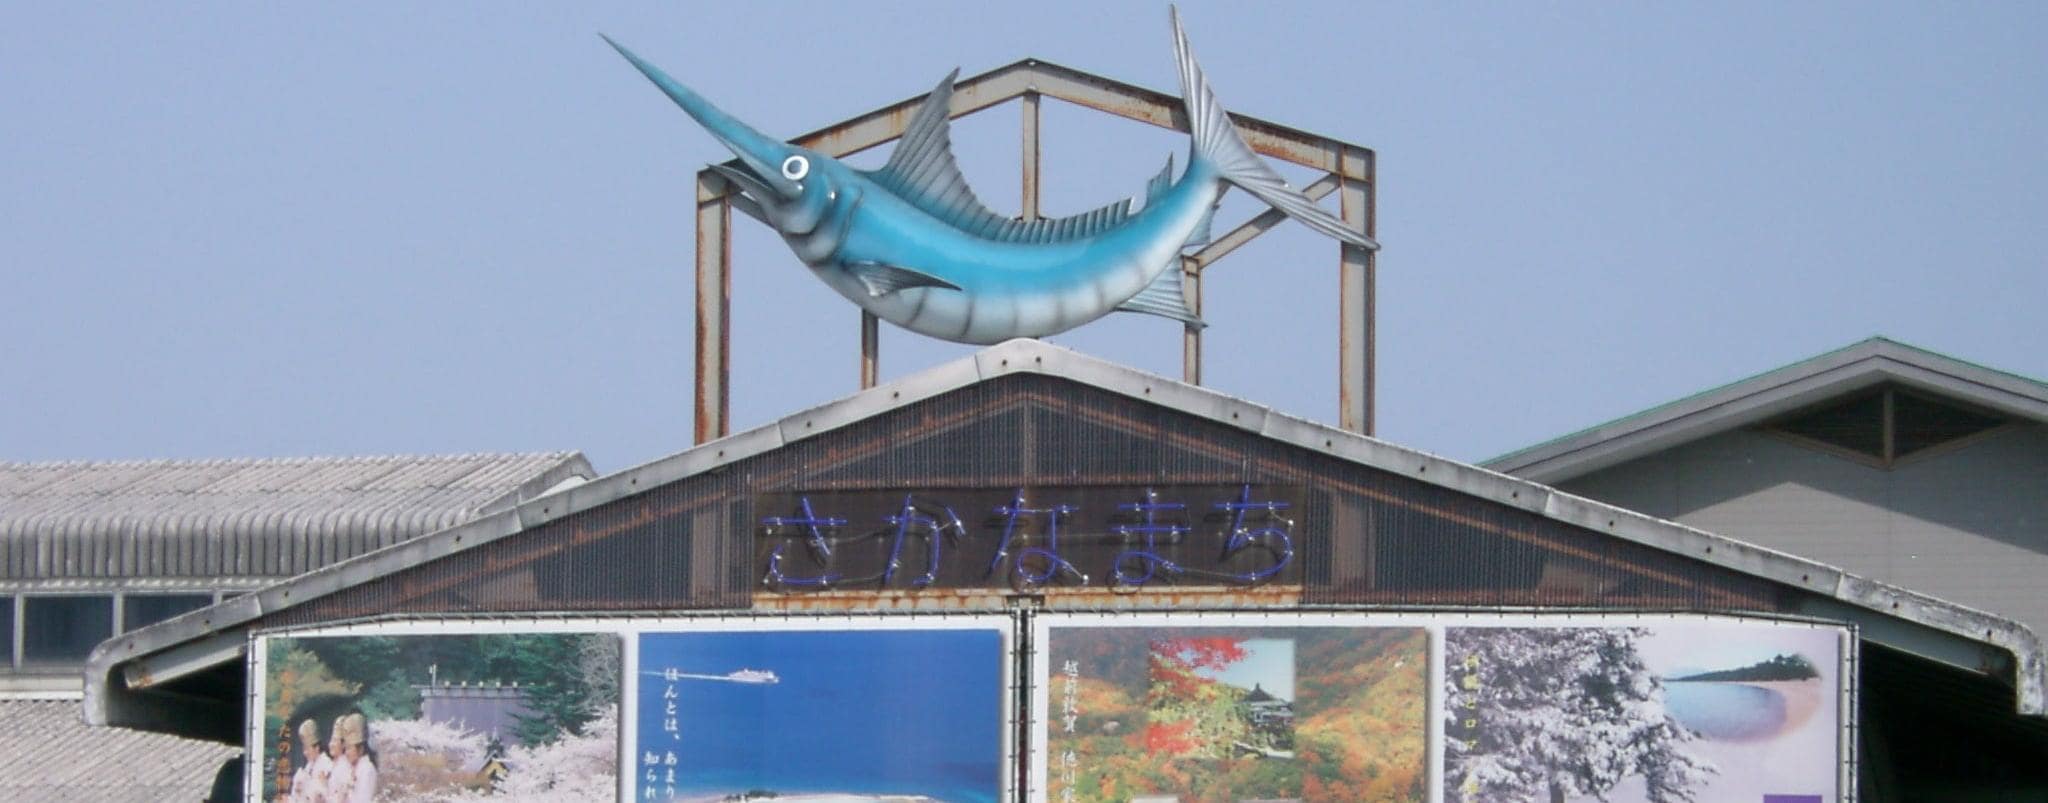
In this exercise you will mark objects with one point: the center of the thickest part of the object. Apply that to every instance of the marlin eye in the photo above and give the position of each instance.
(795, 167)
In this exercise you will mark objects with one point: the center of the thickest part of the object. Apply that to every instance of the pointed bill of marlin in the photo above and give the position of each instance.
(911, 243)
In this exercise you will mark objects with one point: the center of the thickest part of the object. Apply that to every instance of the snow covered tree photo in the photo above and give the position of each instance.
(1548, 714)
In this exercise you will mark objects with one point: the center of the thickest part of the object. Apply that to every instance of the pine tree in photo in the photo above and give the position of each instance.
(1550, 713)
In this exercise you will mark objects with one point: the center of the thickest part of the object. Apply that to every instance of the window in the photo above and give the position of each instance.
(1920, 423)
(1884, 424)
(63, 630)
(1856, 424)
(143, 610)
(7, 631)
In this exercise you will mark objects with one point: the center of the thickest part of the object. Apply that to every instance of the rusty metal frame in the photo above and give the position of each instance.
(1349, 172)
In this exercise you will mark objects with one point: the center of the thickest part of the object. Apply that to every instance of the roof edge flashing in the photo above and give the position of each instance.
(1763, 396)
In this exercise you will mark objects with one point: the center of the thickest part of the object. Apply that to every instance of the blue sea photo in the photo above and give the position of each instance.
(1733, 711)
(849, 714)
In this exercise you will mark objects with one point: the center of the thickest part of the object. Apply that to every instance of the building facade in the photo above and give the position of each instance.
(1079, 574)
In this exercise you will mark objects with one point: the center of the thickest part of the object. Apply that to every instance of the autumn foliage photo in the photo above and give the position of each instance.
(1229, 714)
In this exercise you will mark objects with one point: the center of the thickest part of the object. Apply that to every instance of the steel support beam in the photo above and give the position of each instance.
(870, 349)
(1191, 335)
(1029, 160)
(1356, 286)
(714, 308)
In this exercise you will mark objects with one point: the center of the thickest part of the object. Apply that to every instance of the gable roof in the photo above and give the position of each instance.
(123, 672)
(273, 517)
(1749, 401)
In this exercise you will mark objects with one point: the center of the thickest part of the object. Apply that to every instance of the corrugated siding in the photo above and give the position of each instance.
(237, 517)
(48, 754)
(1366, 536)
(1968, 524)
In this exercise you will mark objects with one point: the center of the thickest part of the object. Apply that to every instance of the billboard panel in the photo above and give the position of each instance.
(1282, 707)
(435, 717)
(1663, 710)
(1121, 706)
(843, 715)
(676, 708)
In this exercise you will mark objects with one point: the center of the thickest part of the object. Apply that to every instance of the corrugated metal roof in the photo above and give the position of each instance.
(271, 517)
(47, 753)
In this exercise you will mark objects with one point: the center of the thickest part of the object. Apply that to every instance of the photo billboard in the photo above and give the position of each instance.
(1341, 706)
(804, 713)
(680, 708)
(1213, 709)
(1654, 711)
(390, 716)
(1181, 706)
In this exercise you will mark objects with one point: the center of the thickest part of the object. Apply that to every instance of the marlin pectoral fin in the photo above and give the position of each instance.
(1164, 298)
(882, 279)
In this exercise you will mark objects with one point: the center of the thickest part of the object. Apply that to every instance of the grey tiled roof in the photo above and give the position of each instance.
(246, 517)
(47, 753)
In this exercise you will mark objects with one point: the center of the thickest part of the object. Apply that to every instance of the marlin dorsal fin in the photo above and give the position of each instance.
(1160, 183)
(921, 169)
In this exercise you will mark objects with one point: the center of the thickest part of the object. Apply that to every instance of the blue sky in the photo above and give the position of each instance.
(1268, 663)
(246, 229)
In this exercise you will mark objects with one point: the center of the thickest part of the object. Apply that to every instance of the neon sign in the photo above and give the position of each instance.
(1028, 538)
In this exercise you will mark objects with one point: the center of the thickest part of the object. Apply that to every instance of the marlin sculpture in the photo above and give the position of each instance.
(911, 243)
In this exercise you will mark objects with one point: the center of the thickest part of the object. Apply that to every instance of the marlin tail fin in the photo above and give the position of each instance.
(1217, 142)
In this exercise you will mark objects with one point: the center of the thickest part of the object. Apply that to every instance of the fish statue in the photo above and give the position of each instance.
(911, 244)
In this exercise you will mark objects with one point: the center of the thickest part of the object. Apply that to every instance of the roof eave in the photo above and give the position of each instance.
(1754, 400)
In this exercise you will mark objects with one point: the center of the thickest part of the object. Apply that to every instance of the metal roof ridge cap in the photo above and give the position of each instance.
(1023, 355)
(1961, 368)
(895, 394)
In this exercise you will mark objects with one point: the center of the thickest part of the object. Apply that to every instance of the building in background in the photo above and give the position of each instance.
(1898, 464)
(91, 550)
